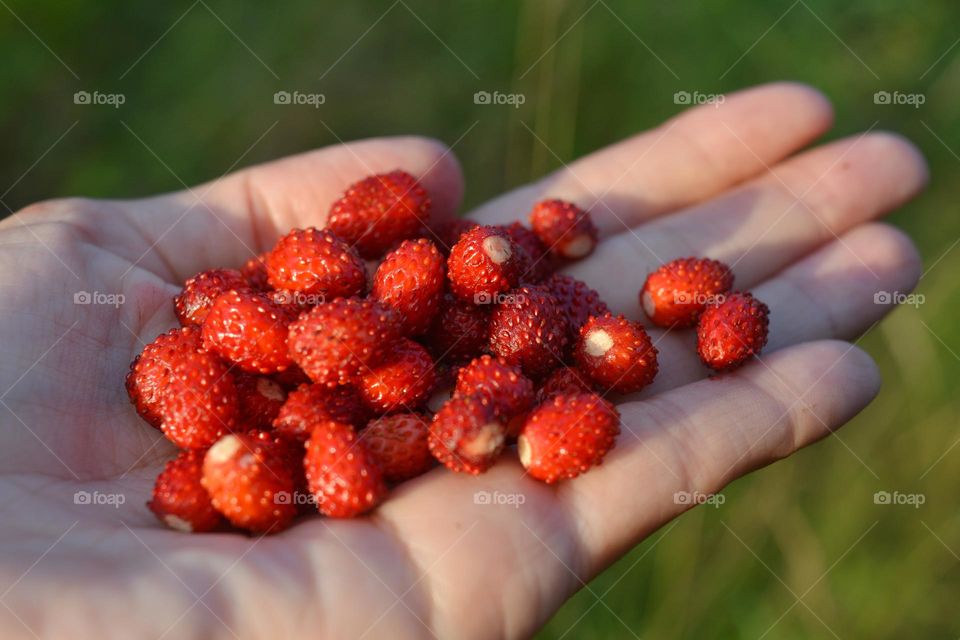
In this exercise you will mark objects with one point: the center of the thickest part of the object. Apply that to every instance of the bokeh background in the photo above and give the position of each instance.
(799, 550)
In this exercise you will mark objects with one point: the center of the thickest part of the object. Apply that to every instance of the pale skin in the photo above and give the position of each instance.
(738, 182)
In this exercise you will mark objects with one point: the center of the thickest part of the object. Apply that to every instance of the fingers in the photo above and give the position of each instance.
(246, 211)
(770, 222)
(694, 440)
(687, 159)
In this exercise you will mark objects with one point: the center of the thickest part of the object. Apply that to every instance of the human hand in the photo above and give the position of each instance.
(717, 181)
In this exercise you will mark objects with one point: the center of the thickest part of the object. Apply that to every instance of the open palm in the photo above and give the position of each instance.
(81, 556)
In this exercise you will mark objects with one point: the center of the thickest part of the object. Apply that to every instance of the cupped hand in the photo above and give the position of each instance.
(85, 284)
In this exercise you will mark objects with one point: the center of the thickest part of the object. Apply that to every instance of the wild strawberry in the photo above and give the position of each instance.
(260, 399)
(335, 342)
(528, 328)
(448, 232)
(200, 401)
(341, 473)
(318, 263)
(577, 300)
(539, 262)
(509, 392)
(731, 331)
(460, 330)
(566, 229)
(484, 263)
(249, 330)
(150, 371)
(616, 354)
(564, 381)
(378, 212)
(179, 500)
(194, 301)
(398, 445)
(255, 272)
(676, 293)
(311, 404)
(251, 482)
(466, 435)
(294, 302)
(403, 379)
(410, 280)
(567, 436)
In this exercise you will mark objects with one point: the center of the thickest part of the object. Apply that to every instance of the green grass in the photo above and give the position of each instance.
(199, 98)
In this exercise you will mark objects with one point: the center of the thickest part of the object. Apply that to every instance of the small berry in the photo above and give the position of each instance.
(731, 331)
(564, 228)
(379, 211)
(676, 293)
(448, 232)
(567, 436)
(194, 302)
(311, 404)
(249, 330)
(150, 371)
(616, 354)
(318, 263)
(403, 379)
(337, 341)
(260, 399)
(410, 280)
(341, 473)
(461, 329)
(179, 500)
(200, 401)
(577, 300)
(483, 263)
(539, 263)
(251, 482)
(528, 328)
(255, 271)
(508, 391)
(564, 381)
(398, 445)
(466, 435)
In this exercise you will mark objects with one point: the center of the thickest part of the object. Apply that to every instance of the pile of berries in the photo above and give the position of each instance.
(309, 373)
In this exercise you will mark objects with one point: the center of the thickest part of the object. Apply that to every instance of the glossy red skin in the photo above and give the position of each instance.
(311, 404)
(539, 262)
(410, 281)
(398, 445)
(260, 399)
(255, 271)
(577, 300)
(447, 233)
(484, 263)
(402, 380)
(193, 303)
(460, 331)
(150, 371)
(249, 330)
(318, 263)
(733, 331)
(466, 435)
(630, 362)
(200, 402)
(179, 500)
(507, 389)
(564, 381)
(564, 228)
(529, 329)
(341, 473)
(678, 292)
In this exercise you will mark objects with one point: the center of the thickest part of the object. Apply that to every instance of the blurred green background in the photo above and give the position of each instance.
(199, 79)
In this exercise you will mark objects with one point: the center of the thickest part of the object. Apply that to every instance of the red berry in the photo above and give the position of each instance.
(398, 445)
(337, 341)
(251, 482)
(484, 263)
(461, 329)
(539, 262)
(731, 331)
(567, 436)
(410, 280)
(318, 263)
(150, 371)
(566, 229)
(508, 391)
(403, 379)
(528, 328)
(342, 475)
(249, 330)
(260, 400)
(200, 401)
(194, 302)
(466, 435)
(311, 404)
(448, 232)
(616, 354)
(179, 500)
(564, 381)
(378, 212)
(577, 300)
(255, 271)
(677, 292)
